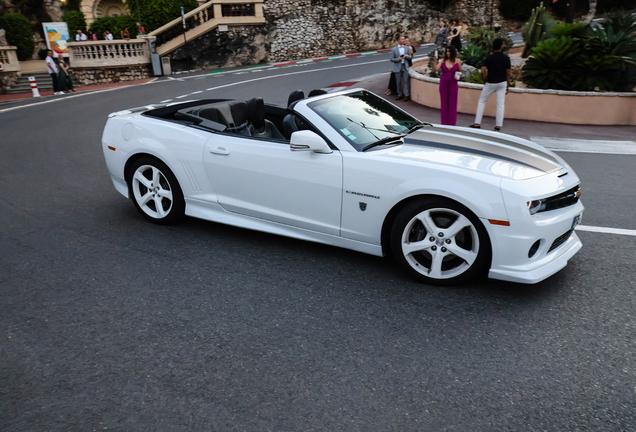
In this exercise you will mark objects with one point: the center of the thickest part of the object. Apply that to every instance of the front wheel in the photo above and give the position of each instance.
(155, 191)
(440, 242)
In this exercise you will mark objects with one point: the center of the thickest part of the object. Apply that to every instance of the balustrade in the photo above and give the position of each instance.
(9, 59)
(109, 53)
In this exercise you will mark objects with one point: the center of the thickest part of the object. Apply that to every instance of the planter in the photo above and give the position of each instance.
(597, 108)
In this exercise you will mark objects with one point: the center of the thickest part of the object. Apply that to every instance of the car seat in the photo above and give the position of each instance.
(258, 125)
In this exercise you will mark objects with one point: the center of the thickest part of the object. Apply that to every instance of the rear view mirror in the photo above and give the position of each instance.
(308, 141)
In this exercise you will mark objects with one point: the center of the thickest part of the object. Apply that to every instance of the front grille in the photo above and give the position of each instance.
(560, 240)
(564, 199)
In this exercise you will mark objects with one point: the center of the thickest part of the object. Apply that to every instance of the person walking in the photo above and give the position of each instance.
(448, 86)
(498, 67)
(63, 76)
(52, 70)
(400, 56)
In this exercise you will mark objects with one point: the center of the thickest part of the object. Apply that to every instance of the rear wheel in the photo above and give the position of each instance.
(440, 242)
(155, 191)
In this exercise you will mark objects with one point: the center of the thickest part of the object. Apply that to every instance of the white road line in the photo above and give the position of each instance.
(164, 101)
(182, 96)
(604, 230)
(586, 146)
(196, 92)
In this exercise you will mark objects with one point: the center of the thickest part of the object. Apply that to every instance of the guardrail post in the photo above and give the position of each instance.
(34, 87)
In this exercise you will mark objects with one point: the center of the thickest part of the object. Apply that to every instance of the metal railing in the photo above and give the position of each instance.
(109, 53)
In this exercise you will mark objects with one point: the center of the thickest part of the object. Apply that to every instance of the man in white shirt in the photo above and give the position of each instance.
(399, 56)
(80, 36)
(51, 68)
(108, 35)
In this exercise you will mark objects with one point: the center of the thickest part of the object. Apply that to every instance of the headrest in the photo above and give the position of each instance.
(256, 112)
(237, 109)
(294, 96)
(316, 92)
(213, 113)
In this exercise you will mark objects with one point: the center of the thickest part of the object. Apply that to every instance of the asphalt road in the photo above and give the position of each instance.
(111, 323)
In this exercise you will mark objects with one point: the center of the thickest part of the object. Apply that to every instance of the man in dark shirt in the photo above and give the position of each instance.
(498, 80)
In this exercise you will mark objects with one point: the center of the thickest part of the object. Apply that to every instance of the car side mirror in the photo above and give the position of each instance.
(308, 141)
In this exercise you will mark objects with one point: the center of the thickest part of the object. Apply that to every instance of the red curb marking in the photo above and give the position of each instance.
(284, 64)
(385, 50)
(353, 55)
(321, 59)
(343, 84)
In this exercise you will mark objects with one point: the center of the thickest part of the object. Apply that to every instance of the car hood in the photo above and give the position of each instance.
(491, 153)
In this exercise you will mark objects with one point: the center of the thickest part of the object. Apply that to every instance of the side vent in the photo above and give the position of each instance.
(194, 184)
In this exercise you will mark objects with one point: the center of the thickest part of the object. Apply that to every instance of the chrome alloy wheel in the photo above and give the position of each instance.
(440, 243)
(152, 191)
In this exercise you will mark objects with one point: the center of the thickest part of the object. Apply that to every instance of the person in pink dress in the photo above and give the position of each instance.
(448, 87)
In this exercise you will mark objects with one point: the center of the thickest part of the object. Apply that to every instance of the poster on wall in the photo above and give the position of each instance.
(56, 34)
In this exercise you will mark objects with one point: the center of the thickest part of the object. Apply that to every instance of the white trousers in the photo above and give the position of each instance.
(489, 89)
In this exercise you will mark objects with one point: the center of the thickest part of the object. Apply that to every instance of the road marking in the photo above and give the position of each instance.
(586, 146)
(196, 92)
(182, 96)
(164, 101)
(605, 230)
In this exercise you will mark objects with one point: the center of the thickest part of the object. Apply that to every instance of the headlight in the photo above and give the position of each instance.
(536, 206)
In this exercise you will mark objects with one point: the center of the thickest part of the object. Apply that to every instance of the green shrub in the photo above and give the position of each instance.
(574, 30)
(75, 21)
(474, 55)
(475, 78)
(521, 9)
(483, 37)
(552, 65)
(19, 33)
(620, 21)
(600, 71)
(156, 13)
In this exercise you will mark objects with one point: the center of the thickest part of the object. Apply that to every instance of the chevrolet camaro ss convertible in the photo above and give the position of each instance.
(352, 170)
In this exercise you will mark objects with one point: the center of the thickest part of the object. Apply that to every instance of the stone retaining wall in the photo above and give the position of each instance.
(88, 76)
(8, 79)
(298, 29)
(597, 108)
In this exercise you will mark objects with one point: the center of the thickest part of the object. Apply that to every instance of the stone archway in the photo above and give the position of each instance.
(94, 9)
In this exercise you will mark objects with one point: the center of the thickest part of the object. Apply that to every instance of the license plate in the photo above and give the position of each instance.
(576, 220)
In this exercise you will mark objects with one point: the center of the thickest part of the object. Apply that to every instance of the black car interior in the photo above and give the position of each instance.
(252, 118)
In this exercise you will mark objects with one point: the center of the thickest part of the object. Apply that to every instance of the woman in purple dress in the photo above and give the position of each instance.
(448, 87)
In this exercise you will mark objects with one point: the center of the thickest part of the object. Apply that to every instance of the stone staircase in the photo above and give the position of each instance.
(43, 80)
(23, 86)
(206, 18)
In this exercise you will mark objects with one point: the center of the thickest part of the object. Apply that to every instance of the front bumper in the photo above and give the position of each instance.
(553, 230)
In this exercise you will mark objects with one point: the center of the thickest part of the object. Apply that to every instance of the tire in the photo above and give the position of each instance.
(155, 191)
(440, 242)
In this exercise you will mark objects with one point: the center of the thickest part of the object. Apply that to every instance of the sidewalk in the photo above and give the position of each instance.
(46, 93)
(520, 128)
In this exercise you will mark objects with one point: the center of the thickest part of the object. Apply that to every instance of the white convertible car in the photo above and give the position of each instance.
(352, 170)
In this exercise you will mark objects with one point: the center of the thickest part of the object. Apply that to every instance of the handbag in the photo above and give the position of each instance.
(458, 75)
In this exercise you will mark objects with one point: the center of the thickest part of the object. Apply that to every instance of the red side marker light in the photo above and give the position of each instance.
(111, 148)
(498, 222)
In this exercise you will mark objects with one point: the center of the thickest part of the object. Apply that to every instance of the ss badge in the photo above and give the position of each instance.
(363, 206)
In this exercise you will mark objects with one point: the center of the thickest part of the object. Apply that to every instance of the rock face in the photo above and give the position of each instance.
(298, 29)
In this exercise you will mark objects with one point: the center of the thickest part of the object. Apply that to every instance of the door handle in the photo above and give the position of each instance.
(220, 151)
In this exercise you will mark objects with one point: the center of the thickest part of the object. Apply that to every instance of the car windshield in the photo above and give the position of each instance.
(363, 118)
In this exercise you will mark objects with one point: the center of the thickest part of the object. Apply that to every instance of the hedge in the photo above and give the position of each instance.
(75, 21)
(115, 25)
(19, 34)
